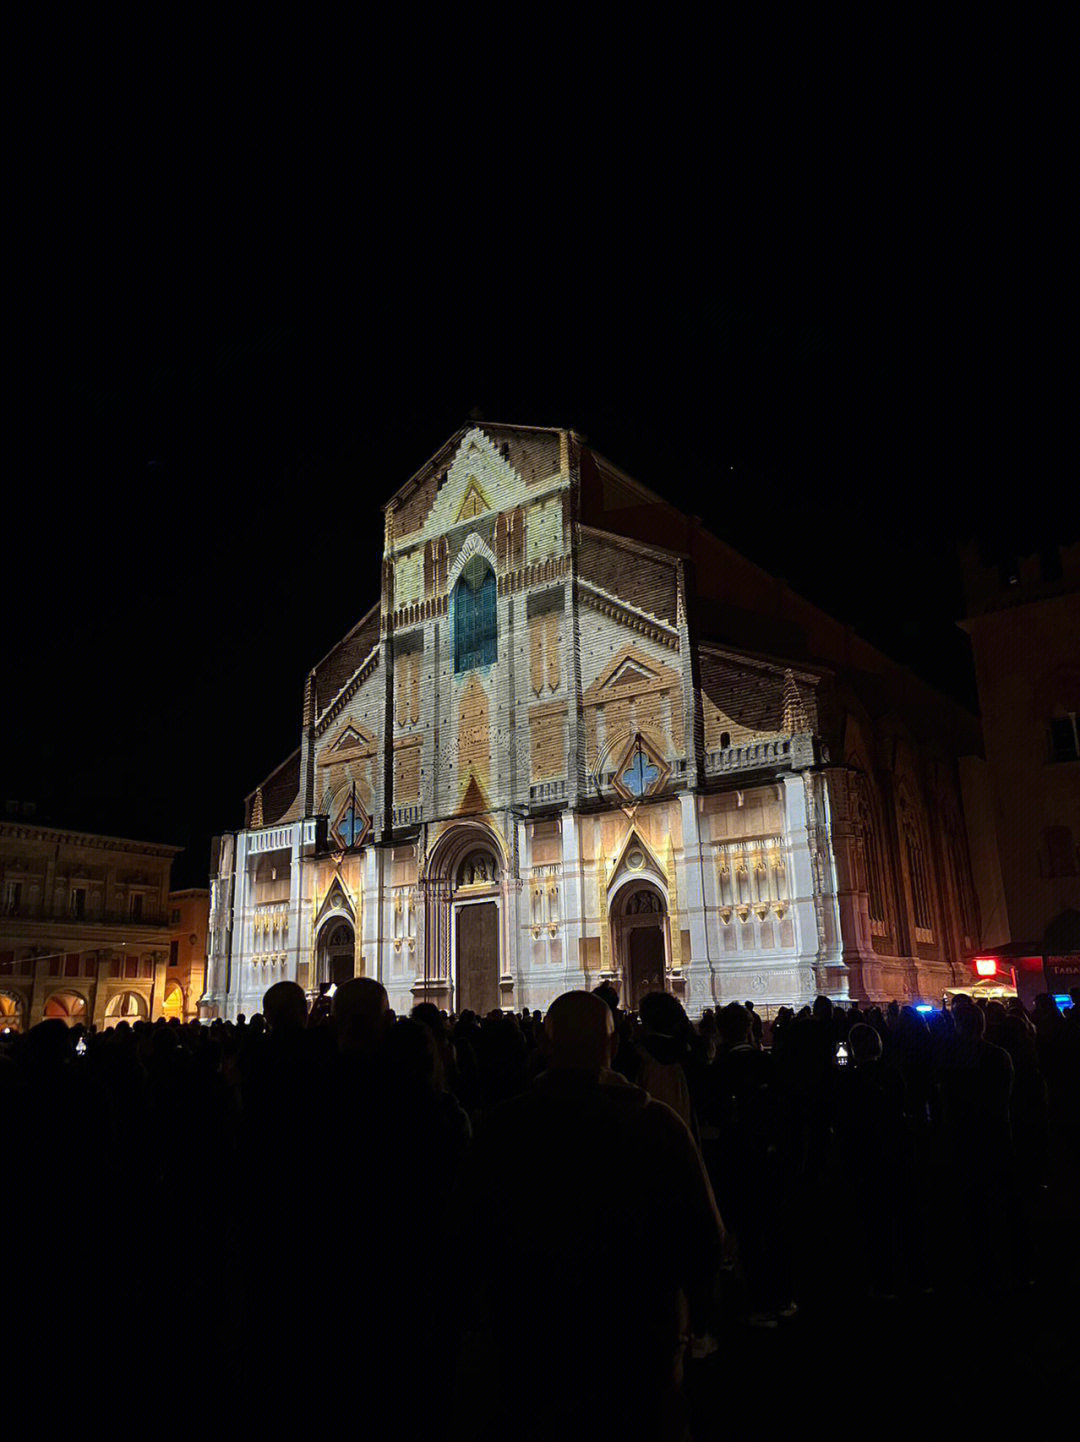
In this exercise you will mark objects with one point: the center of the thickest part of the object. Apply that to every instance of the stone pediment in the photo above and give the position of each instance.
(351, 741)
(630, 672)
(635, 857)
(338, 899)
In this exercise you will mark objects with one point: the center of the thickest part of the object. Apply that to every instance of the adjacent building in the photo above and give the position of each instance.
(181, 982)
(1024, 624)
(84, 924)
(579, 738)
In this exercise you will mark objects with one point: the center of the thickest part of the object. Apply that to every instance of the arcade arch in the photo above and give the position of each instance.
(68, 1006)
(172, 1005)
(11, 1011)
(126, 1006)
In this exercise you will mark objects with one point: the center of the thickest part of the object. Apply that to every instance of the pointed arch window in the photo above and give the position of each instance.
(875, 876)
(475, 616)
(920, 881)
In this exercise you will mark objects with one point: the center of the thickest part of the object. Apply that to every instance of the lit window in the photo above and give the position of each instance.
(474, 616)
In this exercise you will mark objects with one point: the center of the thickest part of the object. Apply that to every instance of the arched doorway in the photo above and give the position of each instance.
(68, 1006)
(640, 924)
(476, 932)
(125, 1006)
(173, 1004)
(336, 958)
(465, 901)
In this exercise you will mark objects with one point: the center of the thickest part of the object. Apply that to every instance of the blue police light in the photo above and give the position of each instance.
(1063, 1003)
(925, 1009)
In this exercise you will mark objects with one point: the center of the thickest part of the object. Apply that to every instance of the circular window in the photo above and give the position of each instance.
(635, 859)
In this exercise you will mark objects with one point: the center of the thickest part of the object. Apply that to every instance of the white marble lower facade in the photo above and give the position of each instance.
(716, 898)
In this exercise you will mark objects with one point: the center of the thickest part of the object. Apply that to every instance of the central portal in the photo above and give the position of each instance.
(477, 956)
(646, 970)
(640, 933)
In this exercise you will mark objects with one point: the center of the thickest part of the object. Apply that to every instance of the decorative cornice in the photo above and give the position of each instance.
(616, 608)
(83, 838)
(348, 691)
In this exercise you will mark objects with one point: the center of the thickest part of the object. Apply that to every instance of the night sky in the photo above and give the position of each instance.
(211, 404)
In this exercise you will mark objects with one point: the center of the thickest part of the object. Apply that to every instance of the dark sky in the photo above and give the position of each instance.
(212, 399)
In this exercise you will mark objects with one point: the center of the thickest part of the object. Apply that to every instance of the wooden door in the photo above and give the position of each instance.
(646, 963)
(477, 958)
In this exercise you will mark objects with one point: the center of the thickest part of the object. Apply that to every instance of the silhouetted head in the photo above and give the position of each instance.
(733, 1022)
(429, 1015)
(580, 1030)
(661, 1014)
(864, 1043)
(361, 1012)
(410, 1056)
(607, 994)
(285, 1008)
(969, 1020)
(823, 1008)
(49, 1044)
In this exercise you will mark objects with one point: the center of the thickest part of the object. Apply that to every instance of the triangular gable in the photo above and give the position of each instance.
(349, 740)
(337, 899)
(474, 799)
(475, 502)
(632, 842)
(479, 479)
(633, 669)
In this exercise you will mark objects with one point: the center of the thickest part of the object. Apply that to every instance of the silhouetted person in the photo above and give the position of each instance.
(661, 1059)
(577, 1177)
(741, 1108)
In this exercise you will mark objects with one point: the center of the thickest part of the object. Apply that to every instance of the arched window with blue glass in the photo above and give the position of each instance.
(474, 616)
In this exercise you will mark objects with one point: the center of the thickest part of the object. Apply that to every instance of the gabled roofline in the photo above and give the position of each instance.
(643, 548)
(629, 480)
(799, 669)
(449, 445)
(271, 774)
(347, 636)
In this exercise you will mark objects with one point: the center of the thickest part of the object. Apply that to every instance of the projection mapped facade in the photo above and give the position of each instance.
(580, 739)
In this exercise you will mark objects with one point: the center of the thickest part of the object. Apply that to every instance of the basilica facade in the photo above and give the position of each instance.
(581, 739)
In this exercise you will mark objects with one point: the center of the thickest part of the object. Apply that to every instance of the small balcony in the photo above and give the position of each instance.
(546, 792)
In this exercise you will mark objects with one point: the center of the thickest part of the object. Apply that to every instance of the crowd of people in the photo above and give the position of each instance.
(516, 1225)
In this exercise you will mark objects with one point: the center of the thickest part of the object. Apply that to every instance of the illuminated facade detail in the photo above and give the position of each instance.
(532, 767)
(474, 617)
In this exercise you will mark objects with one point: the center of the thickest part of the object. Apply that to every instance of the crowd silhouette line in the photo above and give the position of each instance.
(514, 1225)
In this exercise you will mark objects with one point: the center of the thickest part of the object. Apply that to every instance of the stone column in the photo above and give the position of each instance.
(694, 904)
(572, 905)
(799, 842)
(371, 930)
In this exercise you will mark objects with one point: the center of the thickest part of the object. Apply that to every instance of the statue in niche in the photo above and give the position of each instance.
(477, 870)
(643, 903)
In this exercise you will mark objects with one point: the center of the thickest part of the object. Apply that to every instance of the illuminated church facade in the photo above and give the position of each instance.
(581, 739)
